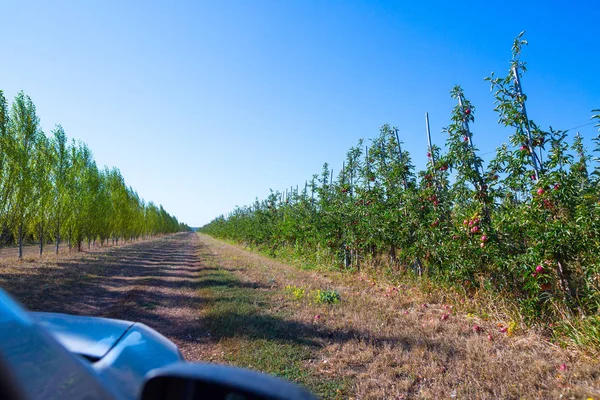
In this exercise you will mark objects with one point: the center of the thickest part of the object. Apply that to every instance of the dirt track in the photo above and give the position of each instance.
(220, 303)
(152, 282)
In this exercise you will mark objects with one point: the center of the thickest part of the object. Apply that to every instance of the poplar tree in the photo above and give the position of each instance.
(24, 132)
(59, 175)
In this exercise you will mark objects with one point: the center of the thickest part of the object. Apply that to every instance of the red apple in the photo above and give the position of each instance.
(540, 269)
(563, 367)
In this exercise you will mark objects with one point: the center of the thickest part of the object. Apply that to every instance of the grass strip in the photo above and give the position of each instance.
(255, 332)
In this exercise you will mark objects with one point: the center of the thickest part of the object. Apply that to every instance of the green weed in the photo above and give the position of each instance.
(326, 296)
(252, 337)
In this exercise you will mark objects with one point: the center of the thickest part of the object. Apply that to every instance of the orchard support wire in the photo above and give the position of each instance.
(477, 166)
(429, 141)
(347, 254)
(400, 156)
(534, 160)
(476, 163)
(431, 153)
(368, 167)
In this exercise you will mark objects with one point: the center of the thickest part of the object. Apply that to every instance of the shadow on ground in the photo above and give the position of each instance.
(160, 283)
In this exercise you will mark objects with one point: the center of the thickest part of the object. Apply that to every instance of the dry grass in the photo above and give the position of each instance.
(223, 304)
(394, 342)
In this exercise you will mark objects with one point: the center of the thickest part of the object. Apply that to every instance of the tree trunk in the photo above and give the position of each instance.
(392, 254)
(3, 234)
(417, 266)
(564, 280)
(41, 238)
(347, 257)
(57, 236)
(21, 241)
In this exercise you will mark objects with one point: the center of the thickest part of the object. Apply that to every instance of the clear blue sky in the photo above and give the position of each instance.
(205, 105)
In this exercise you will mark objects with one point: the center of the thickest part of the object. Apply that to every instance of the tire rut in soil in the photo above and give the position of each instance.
(153, 282)
(159, 287)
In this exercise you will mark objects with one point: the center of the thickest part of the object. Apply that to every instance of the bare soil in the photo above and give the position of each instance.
(49, 251)
(220, 303)
(153, 282)
(30, 250)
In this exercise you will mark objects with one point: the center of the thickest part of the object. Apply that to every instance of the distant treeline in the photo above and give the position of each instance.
(52, 190)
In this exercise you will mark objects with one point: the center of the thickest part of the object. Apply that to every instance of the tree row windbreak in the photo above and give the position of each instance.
(52, 190)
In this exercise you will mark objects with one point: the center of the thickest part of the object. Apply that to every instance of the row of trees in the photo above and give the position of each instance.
(527, 223)
(52, 190)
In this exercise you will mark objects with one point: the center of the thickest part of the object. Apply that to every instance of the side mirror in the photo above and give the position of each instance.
(184, 381)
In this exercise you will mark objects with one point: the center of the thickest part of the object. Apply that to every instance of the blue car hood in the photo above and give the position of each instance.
(91, 337)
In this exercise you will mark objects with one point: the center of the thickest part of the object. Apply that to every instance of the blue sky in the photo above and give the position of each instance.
(205, 105)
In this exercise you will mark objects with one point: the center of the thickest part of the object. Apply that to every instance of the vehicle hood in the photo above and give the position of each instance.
(90, 337)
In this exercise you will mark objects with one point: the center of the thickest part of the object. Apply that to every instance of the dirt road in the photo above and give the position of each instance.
(222, 304)
(153, 282)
